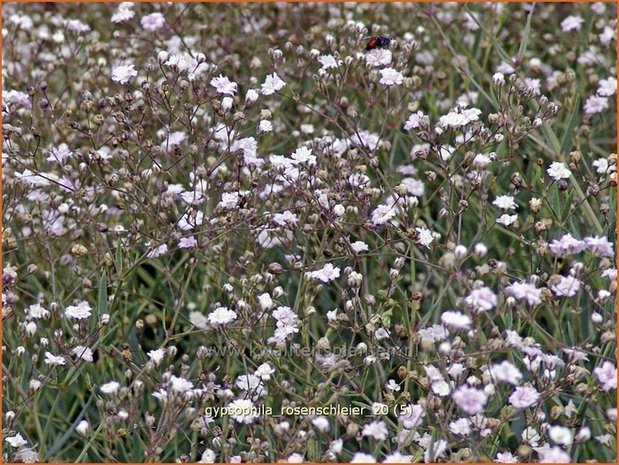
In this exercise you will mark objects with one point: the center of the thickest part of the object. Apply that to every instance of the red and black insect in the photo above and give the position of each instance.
(378, 42)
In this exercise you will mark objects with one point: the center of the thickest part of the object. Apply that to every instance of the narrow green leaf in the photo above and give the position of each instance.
(567, 136)
(526, 34)
(553, 200)
(101, 302)
(67, 435)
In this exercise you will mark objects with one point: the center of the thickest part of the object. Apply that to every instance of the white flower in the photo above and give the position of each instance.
(376, 430)
(221, 316)
(601, 165)
(326, 274)
(413, 186)
(390, 77)
(243, 411)
(605, 439)
(359, 246)
(265, 126)
(381, 333)
(124, 13)
(84, 353)
(208, 456)
(361, 457)
(303, 155)
(110, 388)
(607, 35)
(505, 372)
(553, 455)
(507, 220)
(82, 428)
(392, 385)
(173, 139)
(251, 384)
(37, 311)
(264, 371)
(414, 120)
(77, 26)
(81, 311)
(425, 237)
(198, 320)
(456, 320)
(321, 424)
(179, 384)
(336, 446)
(156, 356)
(273, 83)
(505, 202)
(378, 57)
(223, 85)
(498, 79)
(60, 154)
(607, 87)
(532, 85)
(558, 170)
(226, 103)
(460, 427)
(435, 450)
(329, 62)
(339, 210)
(572, 23)
(459, 117)
(561, 435)
(16, 441)
(251, 96)
(158, 251)
(123, 73)
(525, 291)
(187, 242)
(383, 214)
(265, 301)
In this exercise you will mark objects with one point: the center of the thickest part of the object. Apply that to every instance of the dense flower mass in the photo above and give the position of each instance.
(309, 232)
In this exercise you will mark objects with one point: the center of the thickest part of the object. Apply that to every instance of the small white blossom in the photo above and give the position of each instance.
(124, 73)
(273, 83)
(221, 316)
(390, 77)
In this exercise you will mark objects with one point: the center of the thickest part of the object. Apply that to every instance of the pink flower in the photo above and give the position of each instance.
(567, 244)
(481, 299)
(600, 245)
(470, 400)
(607, 376)
(525, 291)
(567, 286)
(572, 23)
(153, 21)
(524, 396)
(595, 104)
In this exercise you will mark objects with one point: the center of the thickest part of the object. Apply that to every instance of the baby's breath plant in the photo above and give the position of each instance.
(251, 233)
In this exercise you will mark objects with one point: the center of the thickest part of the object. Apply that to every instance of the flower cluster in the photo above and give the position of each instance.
(223, 222)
